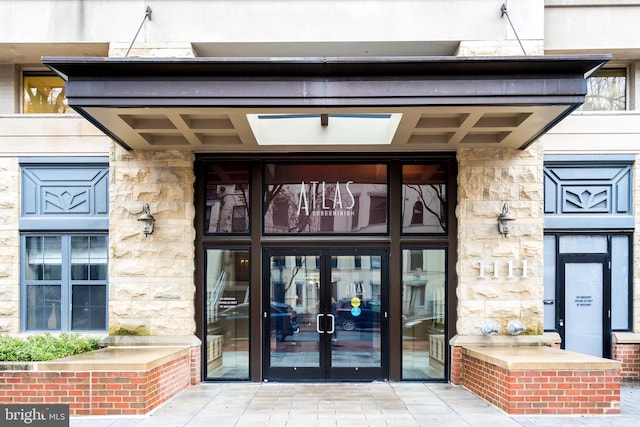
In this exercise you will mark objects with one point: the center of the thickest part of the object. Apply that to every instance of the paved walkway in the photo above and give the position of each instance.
(349, 405)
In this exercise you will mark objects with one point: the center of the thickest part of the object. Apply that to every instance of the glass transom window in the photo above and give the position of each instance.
(325, 198)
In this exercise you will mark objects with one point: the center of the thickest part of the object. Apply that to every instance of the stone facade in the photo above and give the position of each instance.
(504, 291)
(151, 50)
(9, 245)
(151, 279)
(500, 48)
(151, 282)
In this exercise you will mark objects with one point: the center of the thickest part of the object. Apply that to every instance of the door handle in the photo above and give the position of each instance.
(318, 323)
(561, 323)
(333, 323)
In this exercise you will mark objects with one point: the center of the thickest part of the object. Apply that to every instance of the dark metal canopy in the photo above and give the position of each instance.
(430, 103)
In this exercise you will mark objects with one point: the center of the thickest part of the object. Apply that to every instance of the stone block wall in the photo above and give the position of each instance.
(500, 278)
(9, 245)
(151, 283)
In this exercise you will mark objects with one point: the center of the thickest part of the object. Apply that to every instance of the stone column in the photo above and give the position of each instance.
(151, 279)
(500, 278)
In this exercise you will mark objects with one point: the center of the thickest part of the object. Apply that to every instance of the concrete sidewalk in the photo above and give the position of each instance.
(347, 404)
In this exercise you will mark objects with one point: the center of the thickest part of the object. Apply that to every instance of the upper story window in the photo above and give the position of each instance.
(606, 90)
(43, 93)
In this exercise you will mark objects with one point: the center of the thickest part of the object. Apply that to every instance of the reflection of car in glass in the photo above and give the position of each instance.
(420, 325)
(367, 317)
(235, 320)
(284, 320)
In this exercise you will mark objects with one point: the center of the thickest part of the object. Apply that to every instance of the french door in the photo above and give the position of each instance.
(325, 314)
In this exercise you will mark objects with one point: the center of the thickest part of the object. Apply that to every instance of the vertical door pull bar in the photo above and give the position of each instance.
(318, 323)
(333, 323)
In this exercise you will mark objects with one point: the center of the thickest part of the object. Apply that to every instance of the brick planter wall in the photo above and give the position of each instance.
(544, 392)
(196, 365)
(121, 390)
(457, 370)
(629, 357)
(539, 381)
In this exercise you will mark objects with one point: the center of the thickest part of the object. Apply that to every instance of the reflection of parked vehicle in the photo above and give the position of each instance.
(235, 321)
(284, 320)
(368, 317)
(423, 320)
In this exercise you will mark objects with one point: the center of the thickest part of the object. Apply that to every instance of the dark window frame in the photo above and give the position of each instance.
(257, 240)
(63, 319)
(607, 78)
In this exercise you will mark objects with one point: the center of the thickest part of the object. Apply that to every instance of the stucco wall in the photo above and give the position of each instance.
(7, 80)
(151, 279)
(270, 21)
(592, 25)
(487, 179)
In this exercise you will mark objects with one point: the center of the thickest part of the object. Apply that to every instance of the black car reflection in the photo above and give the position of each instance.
(235, 321)
(367, 317)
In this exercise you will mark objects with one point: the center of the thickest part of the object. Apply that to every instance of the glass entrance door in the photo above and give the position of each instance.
(583, 323)
(324, 314)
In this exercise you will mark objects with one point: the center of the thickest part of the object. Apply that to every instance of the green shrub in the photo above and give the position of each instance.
(38, 348)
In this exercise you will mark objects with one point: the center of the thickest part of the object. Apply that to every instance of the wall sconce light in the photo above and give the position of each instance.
(503, 220)
(147, 220)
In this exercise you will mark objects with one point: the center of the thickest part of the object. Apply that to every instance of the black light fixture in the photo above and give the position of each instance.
(147, 220)
(504, 219)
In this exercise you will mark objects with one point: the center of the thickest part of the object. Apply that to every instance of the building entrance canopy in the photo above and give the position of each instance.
(328, 104)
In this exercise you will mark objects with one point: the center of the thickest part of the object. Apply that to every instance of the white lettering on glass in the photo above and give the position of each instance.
(302, 201)
(337, 209)
(314, 188)
(337, 200)
(324, 194)
(353, 199)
